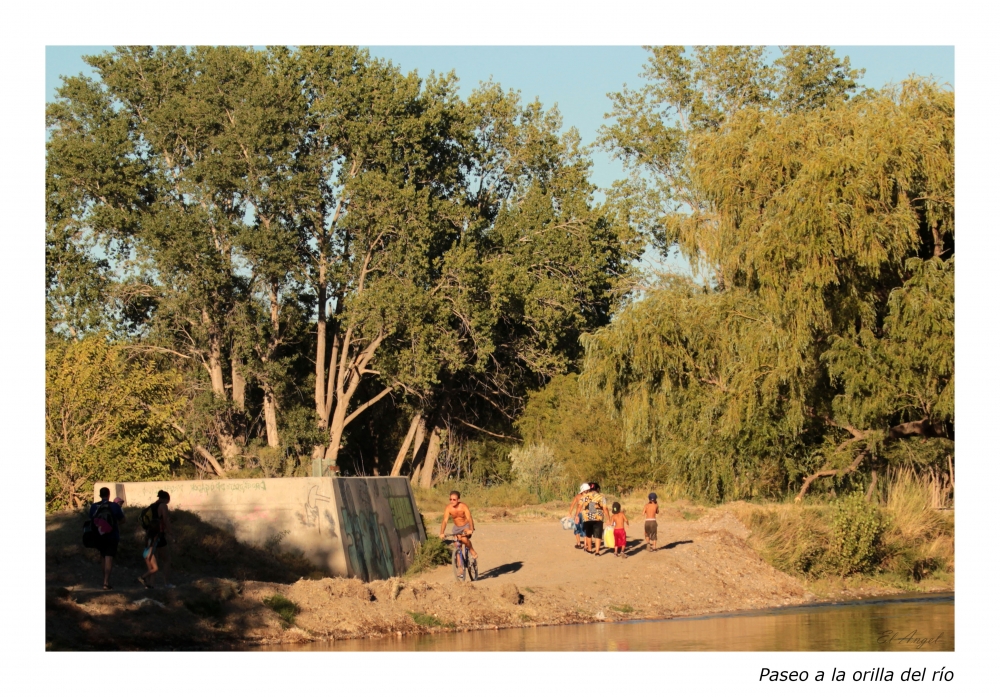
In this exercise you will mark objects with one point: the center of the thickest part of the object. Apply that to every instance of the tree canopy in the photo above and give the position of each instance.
(814, 217)
(313, 231)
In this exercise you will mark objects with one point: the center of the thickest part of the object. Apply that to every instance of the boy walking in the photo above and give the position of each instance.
(649, 513)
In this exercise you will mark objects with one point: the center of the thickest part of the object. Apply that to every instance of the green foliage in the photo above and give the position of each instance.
(902, 541)
(856, 533)
(109, 415)
(231, 205)
(425, 620)
(585, 439)
(285, 608)
(431, 553)
(822, 334)
(535, 468)
(906, 371)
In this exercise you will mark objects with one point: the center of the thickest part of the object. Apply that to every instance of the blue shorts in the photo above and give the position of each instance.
(578, 525)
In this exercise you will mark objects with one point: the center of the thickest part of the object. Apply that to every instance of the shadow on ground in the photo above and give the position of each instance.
(209, 568)
(512, 567)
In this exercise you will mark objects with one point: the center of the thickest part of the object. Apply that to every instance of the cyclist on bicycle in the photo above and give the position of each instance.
(462, 516)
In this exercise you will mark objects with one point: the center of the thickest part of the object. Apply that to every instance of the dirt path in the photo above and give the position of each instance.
(530, 574)
(702, 565)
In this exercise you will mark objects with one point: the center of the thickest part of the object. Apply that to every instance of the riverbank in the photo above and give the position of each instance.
(227, 596)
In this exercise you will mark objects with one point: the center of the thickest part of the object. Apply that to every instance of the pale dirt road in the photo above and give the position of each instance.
(698, 566)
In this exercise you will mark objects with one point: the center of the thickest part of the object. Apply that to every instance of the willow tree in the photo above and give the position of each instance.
(800, 206)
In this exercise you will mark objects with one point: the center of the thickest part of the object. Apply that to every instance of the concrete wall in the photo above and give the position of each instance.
(366, 527)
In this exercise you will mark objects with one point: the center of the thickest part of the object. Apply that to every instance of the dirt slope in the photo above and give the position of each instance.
(531, 574)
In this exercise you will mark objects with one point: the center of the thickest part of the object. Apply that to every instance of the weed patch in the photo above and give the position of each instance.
(622, 609)
(425, 620)
(433, 552)
(285, 608)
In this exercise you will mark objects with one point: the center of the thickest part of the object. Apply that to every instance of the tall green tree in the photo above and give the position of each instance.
(538, 264)
(248, 213)
(801, 213)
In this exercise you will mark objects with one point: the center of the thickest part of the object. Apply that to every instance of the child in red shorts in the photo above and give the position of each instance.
(619, 522)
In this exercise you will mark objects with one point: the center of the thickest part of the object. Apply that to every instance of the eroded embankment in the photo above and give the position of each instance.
(531, 575)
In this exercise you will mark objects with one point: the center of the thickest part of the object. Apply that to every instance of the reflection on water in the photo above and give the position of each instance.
(915, 623)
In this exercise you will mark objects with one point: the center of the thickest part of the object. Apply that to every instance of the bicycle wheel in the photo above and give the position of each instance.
(456, 562)
(473, 570)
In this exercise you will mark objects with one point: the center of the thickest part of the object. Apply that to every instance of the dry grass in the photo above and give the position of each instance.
(916, 548)
(920, 539)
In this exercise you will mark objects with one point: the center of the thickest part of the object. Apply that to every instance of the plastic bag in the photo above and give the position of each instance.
(609, 537)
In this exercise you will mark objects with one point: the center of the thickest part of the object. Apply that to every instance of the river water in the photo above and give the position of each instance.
(901, 623)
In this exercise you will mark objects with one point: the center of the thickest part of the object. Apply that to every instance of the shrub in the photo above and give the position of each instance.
(535, 468)
(857, 535)
(433, 552)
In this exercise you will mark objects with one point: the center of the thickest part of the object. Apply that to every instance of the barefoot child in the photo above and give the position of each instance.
(649, 513)
(619, 522)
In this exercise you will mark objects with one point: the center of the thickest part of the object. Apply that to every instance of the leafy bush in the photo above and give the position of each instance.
(108, 416)
(857, 535)
(433, 552)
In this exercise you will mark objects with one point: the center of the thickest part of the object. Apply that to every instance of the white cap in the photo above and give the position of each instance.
(584, 487)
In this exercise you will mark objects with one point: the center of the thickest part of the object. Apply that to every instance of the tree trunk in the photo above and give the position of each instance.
(320, 391)
(271, 419)
(871, 487)
(215, 368)
(227, 442)
(207, 456)
(430, 460)
(938, 241)
(349, 375)
(830, 473)
(239, 385)
(337, 424)
(401, 455)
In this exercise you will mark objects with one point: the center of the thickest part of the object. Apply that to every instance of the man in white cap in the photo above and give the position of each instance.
(577, 515)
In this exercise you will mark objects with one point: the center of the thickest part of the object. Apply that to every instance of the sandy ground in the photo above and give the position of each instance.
(531, 574)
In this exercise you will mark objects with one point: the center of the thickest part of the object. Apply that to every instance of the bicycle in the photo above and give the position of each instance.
(462, 562)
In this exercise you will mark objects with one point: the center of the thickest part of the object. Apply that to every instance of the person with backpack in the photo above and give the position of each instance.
(595, 508)
(576, 514)
(104, 518)
(155, 520)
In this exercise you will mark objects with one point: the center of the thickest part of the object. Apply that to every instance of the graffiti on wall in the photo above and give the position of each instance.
(380, 527)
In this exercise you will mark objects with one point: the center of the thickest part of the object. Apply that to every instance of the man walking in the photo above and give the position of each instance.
(105, 516)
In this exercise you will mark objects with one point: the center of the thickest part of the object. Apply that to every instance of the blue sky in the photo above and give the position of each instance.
(577, 78)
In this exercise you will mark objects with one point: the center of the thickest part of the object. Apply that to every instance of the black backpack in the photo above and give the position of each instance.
(149, 519)
(90, 535)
